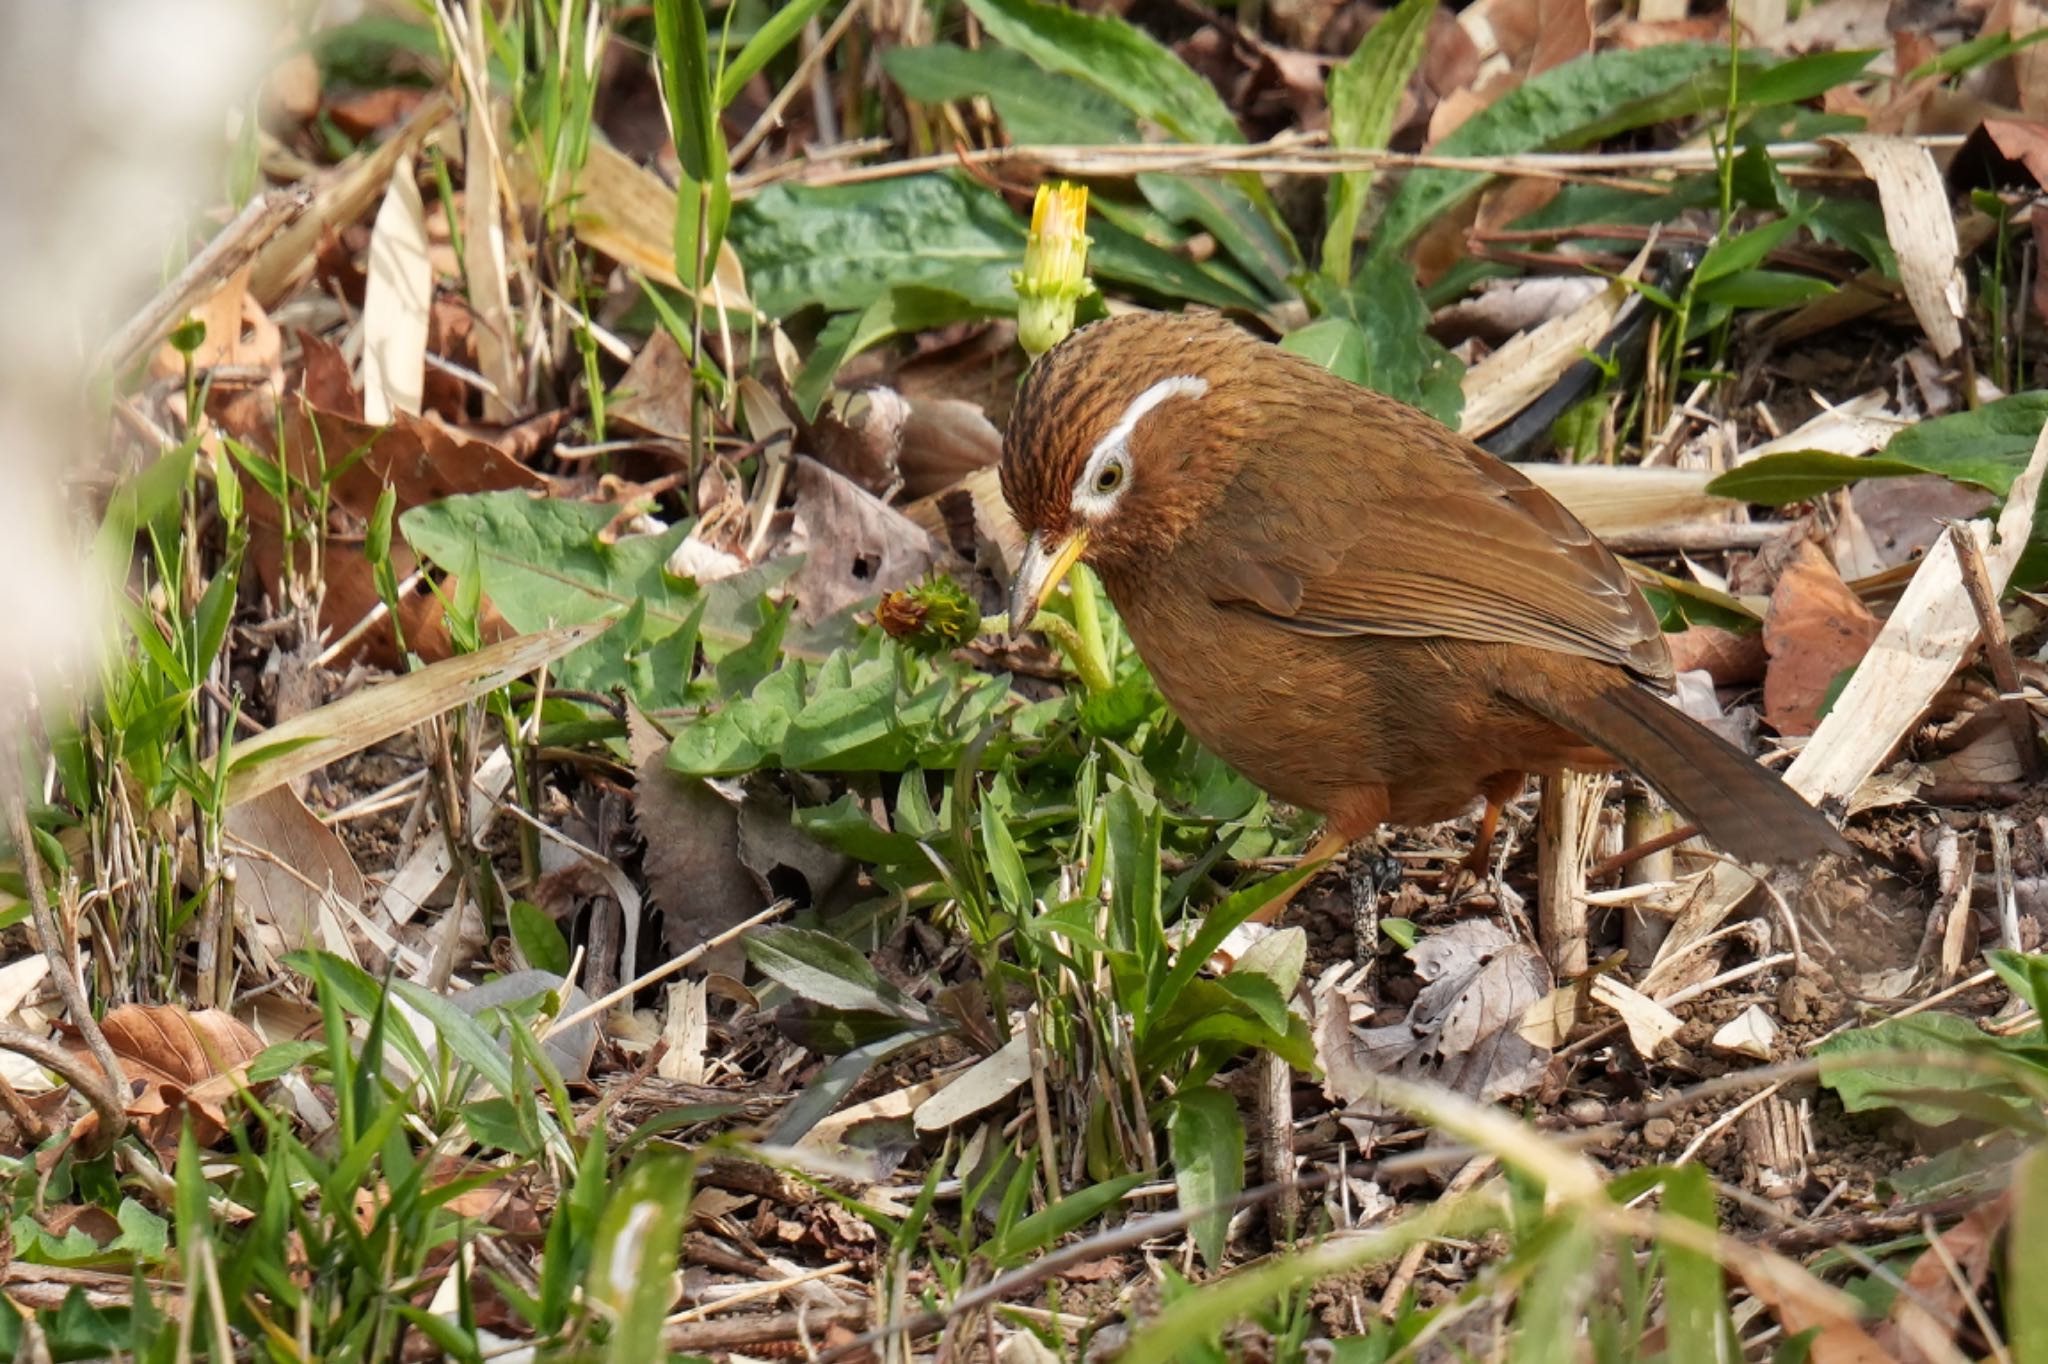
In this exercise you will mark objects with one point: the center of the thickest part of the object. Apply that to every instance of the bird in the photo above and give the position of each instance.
(1356, 607)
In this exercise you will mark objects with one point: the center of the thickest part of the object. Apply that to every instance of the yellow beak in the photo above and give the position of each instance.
(1039, 574)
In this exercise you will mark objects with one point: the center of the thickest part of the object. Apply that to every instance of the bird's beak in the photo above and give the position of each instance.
(1039, 574)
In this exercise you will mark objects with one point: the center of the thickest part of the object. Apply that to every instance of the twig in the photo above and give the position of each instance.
(699, 1337)
(105, 1101)
(1303, 156)
(666, 969)
(1670, 838)
(235, 246)
(1411, 1260)
(799, 79)
(63, 963)
(1132, 1233)
(2012, 701)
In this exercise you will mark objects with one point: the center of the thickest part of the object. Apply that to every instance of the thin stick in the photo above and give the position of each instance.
(1302, 156)
(47, 1054)
(235, 246)
(2012, 701)
(799, 80)
(63, 963)
(666, 969)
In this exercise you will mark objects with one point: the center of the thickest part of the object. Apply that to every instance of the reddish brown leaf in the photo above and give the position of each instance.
(2023, 141)
(179, 1063)
(1815, 628)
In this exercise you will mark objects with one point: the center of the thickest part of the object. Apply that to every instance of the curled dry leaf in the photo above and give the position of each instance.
(1462, 1030)
(179, 1063)
(1815, 629)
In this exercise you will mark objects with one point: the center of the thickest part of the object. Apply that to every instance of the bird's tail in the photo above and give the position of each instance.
(1741, 806)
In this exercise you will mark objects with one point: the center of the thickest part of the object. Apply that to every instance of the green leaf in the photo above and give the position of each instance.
(844, 246)
(1695, 1305)
(1801, 78)
(1567, 106)
(1205, 1136)
(1242, 224)
(1941, 1093)
(465, 1037)
(819, 967)
(1038, 1231)
(1802, 475)
(1122, 61)
(1337, 344)
(1005, 865)
(280, 1058)
(639, 1242)
(703, 199)
(2026, 976)
(2026, 1250)
(1364, 94)
(1764, 289)
(1988, 447)
(1400, 358)
(784, 22)
(904, 309)
(1743, 250)
(1117, 252)
(1035, 105)
(541, 563)
(539, 938)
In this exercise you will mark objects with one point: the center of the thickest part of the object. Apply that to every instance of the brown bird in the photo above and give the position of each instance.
(1356, 607)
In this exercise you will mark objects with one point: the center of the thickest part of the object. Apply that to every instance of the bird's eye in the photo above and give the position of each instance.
(1110, 479)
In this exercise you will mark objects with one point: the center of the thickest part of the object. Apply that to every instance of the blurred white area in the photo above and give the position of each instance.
(114, 118)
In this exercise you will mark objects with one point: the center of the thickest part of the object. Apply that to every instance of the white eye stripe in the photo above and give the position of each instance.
(1115, 446)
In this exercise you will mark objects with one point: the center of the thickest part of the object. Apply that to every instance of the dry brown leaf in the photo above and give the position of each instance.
(178, 1062)
(1802, 1303)
(287, 864)
(341, 197)
(855, 545)
(1931, 1310)
(306, 743)
(1462, 1030)
(1924, 640)
(1731, 659)
(657, 391)
(692, 865)
(2023, 141)
(1922, 230)
(1816, 627)
(625, 211)
(1508, 380)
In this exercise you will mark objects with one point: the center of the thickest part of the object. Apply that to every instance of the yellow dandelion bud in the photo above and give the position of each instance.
(1054, 279)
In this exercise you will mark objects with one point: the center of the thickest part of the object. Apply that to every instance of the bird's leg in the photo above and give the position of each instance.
(1362, 812)
(1498, 790)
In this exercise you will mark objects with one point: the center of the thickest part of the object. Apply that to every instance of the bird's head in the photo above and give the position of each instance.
(1124, 436)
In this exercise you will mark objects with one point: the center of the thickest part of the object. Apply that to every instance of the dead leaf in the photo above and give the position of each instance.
(1730, 658)
(657, 391)
(1802, 1303)
(1929, 1312)
(2023, 141)
(1461, 1030)
(1816, 628)
(692, 865)
(288, 864)
(396, 301)
(1922, 230)
(179, 1062)
(943, 441)
(855, 545)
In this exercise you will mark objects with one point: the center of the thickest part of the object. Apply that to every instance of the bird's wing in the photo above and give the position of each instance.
(1433, 538)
